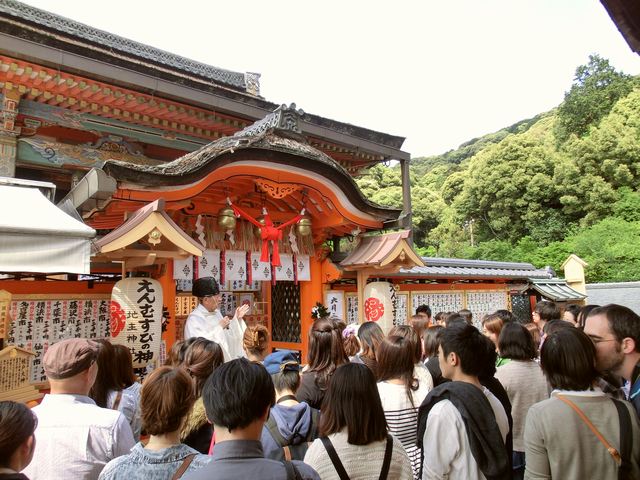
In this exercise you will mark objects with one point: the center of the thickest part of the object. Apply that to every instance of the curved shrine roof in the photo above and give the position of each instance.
(276, 139)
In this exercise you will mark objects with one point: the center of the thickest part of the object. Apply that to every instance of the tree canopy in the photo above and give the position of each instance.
(566, 181)
(597, 86)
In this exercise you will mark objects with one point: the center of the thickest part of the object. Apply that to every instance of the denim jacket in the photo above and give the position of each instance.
(152, 465)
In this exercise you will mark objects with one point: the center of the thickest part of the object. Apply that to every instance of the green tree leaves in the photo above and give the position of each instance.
(566, 181)
(597, 86)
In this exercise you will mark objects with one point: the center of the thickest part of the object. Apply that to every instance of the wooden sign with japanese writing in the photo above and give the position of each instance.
(334, 300)
(15, 365)
(38, 323)
(136, 318)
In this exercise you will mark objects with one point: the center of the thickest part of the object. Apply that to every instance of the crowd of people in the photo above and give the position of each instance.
(558, 397)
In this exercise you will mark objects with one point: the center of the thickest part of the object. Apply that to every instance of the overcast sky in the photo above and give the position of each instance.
(436, 72)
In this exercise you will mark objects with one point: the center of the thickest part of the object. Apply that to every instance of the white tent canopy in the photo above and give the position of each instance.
(36, 236)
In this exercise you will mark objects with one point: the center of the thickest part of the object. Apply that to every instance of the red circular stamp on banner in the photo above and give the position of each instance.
(117, 318)
(373, 309)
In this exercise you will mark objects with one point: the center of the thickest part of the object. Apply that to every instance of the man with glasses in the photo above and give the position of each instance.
(207, 321)
(615, 331)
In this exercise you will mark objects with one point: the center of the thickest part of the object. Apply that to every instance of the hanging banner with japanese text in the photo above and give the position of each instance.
(334, 300)
(284, 271)
(183, 268)
(379, 304)
(304, 268)
(136, 318)
(39, 323)
(235, 265)
(208, 265)
(260, 270)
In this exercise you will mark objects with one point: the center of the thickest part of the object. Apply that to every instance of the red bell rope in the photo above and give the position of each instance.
(268, 233)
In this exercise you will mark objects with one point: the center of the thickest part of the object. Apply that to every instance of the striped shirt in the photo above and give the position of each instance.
(402, 416)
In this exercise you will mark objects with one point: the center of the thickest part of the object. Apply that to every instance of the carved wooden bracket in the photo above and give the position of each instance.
(277, 190)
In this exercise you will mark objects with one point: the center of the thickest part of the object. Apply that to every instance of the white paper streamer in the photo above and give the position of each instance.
(200, 231)
(303, 266)
(293, 240)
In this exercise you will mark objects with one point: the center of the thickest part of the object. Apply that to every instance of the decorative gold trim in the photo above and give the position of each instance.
(277, 190)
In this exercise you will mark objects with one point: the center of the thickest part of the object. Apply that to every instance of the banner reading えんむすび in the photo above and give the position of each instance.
(136, 318)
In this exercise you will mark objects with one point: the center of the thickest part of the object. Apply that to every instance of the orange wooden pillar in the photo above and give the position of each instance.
(310, 293)
(169, 301)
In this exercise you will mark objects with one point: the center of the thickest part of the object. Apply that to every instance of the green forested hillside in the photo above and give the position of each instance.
(565, 181)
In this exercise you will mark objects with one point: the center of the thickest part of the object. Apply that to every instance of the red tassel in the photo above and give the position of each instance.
(268, 233)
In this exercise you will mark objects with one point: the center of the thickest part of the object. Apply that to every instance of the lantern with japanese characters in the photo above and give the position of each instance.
(379, 304)
(136, 318)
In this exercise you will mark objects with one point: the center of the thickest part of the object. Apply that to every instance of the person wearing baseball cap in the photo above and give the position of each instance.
(207, 321)
(75, 438)
(291, 425)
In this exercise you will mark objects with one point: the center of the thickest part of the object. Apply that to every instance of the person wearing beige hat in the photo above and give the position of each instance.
(75, 438)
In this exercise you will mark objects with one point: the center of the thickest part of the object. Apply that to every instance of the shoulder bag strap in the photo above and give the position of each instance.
(272, 426)
(116, 403)
(612, 451)
(287, 453)
(315, 421)
(626, 439)
(386, 463)
(337, 464)
(292, 471)
(183, 467)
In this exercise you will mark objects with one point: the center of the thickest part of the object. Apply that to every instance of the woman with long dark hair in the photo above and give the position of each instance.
(370, 335)
(106, 380)
(115, 370)
(200, 360)
(128, 397)
(354, 441)
(17, 440)
(326, 352)
(401, 392)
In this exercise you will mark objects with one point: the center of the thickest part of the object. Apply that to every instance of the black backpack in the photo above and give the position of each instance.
(289, 451)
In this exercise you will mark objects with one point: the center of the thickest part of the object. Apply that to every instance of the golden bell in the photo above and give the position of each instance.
(304, 226)
(256, 230)
(226, 218)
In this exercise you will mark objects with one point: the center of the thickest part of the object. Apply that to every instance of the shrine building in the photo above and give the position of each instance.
(117, 125)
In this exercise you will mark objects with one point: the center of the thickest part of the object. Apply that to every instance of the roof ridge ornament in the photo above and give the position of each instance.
(252, 81)
(283, 120)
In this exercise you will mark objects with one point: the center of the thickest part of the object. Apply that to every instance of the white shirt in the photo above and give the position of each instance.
(75, 438)
(362, 462)
(203, 323)
(129, 406)
(447, 453)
